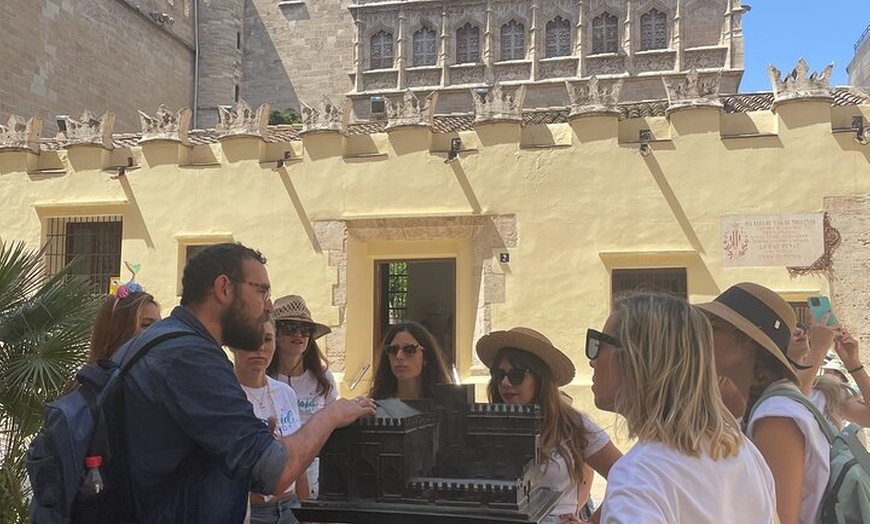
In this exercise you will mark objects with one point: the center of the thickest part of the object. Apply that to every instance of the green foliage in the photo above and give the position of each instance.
(45, 326)
(288, 116)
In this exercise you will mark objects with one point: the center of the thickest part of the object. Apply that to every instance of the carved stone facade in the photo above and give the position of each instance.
(800, 83)
(326, 116)
(90, 130)
(859, 67)
(693, 90)
(241, 120)
(168, 126)
(594, 97)
(499, 105)
(21, 134)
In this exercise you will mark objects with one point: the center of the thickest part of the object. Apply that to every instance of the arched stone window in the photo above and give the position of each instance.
(605, 34)
(558, 37)
(425, 47)
(467, 44)
(513, 41)
(653, 30)
(382, 50)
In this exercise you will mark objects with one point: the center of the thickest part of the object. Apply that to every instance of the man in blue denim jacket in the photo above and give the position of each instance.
(194, 446)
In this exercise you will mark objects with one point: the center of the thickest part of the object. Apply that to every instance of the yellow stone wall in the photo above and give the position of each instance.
(575, 199)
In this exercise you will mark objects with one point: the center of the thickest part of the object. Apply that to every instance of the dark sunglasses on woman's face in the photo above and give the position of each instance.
(514, 376)
(408, 349)
(290, 327)
(594, 339)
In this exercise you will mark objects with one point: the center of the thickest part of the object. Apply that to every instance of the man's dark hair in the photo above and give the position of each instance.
(220, 259)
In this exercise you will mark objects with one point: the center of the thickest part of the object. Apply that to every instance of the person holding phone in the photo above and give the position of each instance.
(856, 408)
(411, 364)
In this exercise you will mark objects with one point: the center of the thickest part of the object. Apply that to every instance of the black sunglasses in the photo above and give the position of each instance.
(408, 349)
(288, 327)
(514, 376)
(594, 339)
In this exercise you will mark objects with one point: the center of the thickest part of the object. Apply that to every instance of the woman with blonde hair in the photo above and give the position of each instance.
(526, 368)
(653, 364)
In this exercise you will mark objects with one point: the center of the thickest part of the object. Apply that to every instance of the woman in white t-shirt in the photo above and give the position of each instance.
(300, 363)
(526, 368)
(752, 328)
(275, 404)
(653, 364)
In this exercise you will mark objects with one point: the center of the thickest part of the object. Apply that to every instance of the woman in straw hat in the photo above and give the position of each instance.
(300, 363)
(752, 328)
(526, 368)
(653, 364)
(275, 404)
(411, 364)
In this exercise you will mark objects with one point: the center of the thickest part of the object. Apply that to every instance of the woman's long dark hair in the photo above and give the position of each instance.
(313, 360)
(434, 371)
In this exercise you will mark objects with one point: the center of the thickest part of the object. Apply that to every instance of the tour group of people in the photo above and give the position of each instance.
(216, 441)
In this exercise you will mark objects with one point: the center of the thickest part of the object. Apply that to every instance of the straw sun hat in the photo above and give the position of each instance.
(529, 340)
(761, 314)
(292, 307)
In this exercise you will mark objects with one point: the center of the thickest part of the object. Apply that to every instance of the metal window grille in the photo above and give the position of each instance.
(671, 281)
(397, 292)
(467, 44)
(605, 34)
(96, 241)
(653, 30)
(558, 37)
(425, 47)
(382, 50)
(513, 41)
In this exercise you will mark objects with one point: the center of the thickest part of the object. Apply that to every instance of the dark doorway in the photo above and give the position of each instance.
(420, 290)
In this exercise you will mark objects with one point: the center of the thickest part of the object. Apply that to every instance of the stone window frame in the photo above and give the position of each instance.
(654, 44)
(513, 24)
(380, 61)
(550, 25)
(424, 28)
(468, 25)
(649, 274)
(599, 47)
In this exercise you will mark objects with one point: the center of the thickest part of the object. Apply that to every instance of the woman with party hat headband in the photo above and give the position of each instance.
(752, 328)
(299, 362)
(526, 368)
(653, 364)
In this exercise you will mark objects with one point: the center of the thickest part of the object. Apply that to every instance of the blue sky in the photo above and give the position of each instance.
(782, 31)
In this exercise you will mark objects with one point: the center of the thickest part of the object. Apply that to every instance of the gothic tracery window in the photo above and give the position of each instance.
(382, 50)
(467, 44)
(425, 47)
(605, 34)
(653, 30)
(513, 41)
(558, 37)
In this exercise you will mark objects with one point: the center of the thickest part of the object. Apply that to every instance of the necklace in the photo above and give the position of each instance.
(261, 401)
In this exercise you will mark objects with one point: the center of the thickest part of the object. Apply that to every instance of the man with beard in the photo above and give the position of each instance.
(193, 446)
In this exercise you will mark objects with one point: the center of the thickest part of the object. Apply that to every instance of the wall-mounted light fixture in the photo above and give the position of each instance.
(61, 122)
(122, 170)
(455, 148)
(862, 133)
(644, 136)
(280, 163)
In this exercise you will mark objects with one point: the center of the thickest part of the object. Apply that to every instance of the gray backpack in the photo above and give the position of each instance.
(847, 496)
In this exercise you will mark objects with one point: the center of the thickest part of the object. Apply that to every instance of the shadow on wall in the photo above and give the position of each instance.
(265, 77)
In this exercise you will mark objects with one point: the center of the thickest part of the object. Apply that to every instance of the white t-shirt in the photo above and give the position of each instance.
(655, 484)
(276, 399)
(310, 402)
(817, 467)
(555, 472)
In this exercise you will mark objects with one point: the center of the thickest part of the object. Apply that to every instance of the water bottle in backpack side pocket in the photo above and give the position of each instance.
(92, 481)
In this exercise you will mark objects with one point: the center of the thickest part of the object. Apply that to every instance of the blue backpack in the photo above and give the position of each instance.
(847, 496)
(85, 423)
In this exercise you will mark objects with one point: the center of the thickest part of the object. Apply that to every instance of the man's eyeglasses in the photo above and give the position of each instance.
(594, 339)
(286, 327)
(408, 349)
(265, 290)
(514, 376)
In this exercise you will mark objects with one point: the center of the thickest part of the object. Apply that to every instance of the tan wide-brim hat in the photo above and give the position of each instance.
(527, 339)
(292, 307)
(761, 314)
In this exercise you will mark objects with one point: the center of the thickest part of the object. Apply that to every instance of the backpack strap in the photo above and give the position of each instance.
(800, 398)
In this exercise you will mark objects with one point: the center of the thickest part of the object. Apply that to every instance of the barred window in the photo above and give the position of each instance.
(467, 44)
(558, 37)
(653, 30)
(94, 243)
(605, 34)
(671, 281)
(425, 47)
(397, 292)
(382, 50)
(513, 41)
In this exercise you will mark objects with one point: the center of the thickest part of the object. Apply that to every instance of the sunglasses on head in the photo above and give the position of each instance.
(594, 339)
(408, 349)
(288, 327)
(514, 376)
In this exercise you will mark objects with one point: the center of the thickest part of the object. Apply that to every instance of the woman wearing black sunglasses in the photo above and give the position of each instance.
(411, 364)
(525, 368)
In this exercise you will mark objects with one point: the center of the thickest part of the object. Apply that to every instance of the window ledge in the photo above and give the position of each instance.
(661, 51)
(604, 55)
(558, 58)
(288, 3)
